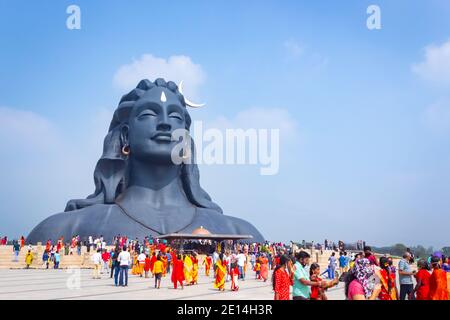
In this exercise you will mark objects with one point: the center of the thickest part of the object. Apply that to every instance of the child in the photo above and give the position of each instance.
(29, 259)
(158, 269)
(317, 292)
(234, 277)
(257, 269)
(45, 259)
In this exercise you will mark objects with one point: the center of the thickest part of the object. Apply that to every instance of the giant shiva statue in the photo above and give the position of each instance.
(139, 190)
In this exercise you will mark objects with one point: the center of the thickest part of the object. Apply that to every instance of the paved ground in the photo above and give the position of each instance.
(78, 284)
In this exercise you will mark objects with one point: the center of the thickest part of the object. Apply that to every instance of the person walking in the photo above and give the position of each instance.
(16, 250)
(45, 259)
(28, 259)
(97, 260)
(178, 272)
(105, 261)
(115, 265)
(141, 260)
(124, 259)
(332, 266)
(56, 259)
(264, 267)
(241, 259)
(220, 273)
(158, 269)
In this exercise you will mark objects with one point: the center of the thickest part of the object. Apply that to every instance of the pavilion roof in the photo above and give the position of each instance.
(210, 236)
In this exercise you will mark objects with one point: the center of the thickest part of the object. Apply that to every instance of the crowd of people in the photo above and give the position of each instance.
(228, 262)
(364, 276)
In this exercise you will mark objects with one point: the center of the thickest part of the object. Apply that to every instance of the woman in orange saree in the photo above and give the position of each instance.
(135, 268)
(438, 281)
(194, 268)
(221, 273)
(387, 279)
(188, 266)
(164, 261)
(264, 273)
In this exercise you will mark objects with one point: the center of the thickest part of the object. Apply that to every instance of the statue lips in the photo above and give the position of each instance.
(162, 137)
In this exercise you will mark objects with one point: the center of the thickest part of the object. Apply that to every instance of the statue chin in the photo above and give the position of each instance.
(110, 221)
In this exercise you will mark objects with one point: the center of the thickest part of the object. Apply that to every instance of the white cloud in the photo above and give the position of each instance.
(437, 116)
(294, 48)
(25, 129)
(43, 165)
(436, 65)
(258, 118)
(175, 68)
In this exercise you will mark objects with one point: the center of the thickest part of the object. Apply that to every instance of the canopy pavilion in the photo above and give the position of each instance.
(203, 237)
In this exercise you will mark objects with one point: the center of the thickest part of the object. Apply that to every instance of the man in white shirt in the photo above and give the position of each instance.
(241, 260)
(124, 259)
(141, 259)
(97, 260)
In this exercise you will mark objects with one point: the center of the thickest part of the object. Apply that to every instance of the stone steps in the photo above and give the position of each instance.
(7, 256)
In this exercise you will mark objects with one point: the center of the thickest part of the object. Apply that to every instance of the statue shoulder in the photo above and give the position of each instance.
(67, 224)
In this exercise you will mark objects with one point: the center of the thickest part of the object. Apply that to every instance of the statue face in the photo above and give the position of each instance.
(153, 119)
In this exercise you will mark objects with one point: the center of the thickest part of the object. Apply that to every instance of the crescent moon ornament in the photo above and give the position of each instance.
(189, 103)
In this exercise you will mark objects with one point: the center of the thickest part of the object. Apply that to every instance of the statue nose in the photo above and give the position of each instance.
(163, 126)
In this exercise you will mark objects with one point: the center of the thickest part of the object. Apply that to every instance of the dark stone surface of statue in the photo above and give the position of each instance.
(139, 191)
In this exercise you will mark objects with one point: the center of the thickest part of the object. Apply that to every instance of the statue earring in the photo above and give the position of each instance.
(126, 150)
(186, 151)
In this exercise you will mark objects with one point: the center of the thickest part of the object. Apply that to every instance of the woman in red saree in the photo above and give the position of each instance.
(152, 262)
(283, 278)
(178, 272)
(264, 273)
(387, 279)
(438, 281)
(221, 273)
(48, 245)
(147, 265)
(422, 288)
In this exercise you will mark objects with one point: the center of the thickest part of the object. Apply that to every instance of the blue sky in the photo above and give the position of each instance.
(365, 154)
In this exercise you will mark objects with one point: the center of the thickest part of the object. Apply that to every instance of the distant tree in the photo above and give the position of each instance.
(421, 252)
(399, 249)
(446, 251)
